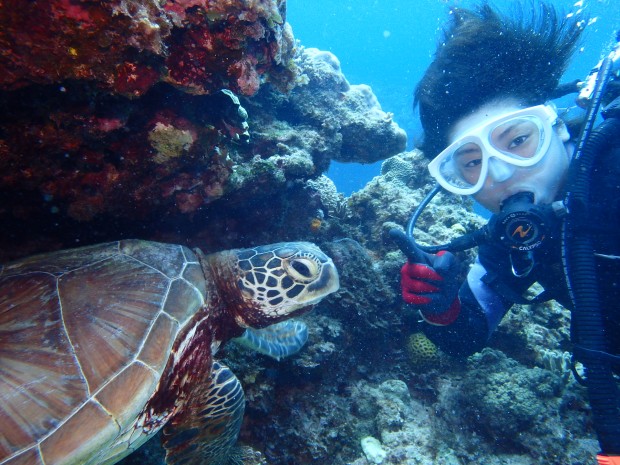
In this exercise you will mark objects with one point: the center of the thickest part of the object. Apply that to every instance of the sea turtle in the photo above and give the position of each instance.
(102, 346)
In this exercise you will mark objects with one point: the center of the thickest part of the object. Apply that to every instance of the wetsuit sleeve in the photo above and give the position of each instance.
(482, 309)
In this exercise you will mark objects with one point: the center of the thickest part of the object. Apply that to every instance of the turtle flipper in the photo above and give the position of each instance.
(277, 341)
(205, 431)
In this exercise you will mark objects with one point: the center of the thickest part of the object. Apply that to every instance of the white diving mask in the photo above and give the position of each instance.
(520, 138)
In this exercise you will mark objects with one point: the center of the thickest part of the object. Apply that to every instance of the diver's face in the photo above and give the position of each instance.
(544, 179)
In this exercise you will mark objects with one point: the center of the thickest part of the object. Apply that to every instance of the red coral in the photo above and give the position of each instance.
(105, 125)
(246, 75)
(188, 202)
(72, 10)
(48, 42)
(200, 60)
(179, 7)
(134, 79)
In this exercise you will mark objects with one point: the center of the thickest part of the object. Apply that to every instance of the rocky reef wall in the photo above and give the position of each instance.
(169, 120)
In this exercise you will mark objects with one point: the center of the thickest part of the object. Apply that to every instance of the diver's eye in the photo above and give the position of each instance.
(517, 141)
(473, 163)
(302, 269)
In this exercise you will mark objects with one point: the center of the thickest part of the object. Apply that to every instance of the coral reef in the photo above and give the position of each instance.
(540, 329)
(530, 411)
(388, 201)
(82, 159)
(404, 424)
(199, 123)
(167, 153)
(422, 352)
(114, 114)
(513, 403)
(347, 119)
(511, 399)
(127, 46)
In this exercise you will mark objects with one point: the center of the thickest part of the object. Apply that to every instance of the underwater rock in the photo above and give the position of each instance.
(540, 329)
(102, 160)
(365, 293)
(404, 425)
(389, 200)
(114, 120)
(367, 132)
(510, 398)
(331, 199)
(326, 113)
(372, 450)
(503, 407)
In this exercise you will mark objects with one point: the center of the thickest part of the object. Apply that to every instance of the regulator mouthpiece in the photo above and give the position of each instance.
(521, 224)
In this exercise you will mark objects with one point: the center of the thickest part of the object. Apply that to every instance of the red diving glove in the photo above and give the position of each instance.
(433, 287)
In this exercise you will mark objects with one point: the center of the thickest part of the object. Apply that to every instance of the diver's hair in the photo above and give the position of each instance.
(485, 56)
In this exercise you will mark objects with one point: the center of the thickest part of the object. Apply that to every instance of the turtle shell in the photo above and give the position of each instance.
(85, 335)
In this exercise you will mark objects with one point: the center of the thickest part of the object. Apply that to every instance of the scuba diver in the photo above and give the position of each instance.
(493, 132)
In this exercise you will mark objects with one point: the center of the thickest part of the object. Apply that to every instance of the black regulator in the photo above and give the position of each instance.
(521, 226)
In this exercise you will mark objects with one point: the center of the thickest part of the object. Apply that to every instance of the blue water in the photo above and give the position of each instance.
(389, 44)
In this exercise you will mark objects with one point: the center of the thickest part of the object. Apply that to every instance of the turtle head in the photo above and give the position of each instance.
(278, 281)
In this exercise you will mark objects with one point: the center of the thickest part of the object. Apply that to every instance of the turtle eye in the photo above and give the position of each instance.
(302, 269)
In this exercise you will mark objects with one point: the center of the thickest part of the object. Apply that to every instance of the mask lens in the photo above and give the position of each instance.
(519, 138)
(462, 166)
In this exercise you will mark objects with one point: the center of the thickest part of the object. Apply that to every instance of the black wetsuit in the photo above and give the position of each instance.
(491, 287)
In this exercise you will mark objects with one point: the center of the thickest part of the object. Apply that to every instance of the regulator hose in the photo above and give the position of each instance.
(590, 345)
